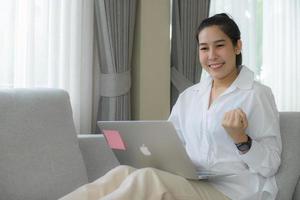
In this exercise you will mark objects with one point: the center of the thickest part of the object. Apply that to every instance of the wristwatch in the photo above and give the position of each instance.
(244, 146)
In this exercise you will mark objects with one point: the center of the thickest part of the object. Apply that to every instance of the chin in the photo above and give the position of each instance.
(217, 76)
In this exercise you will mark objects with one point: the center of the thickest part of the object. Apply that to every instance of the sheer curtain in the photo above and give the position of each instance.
(281, 54)
(49, 43)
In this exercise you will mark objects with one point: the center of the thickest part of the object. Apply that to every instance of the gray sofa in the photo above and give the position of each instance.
(42, 158)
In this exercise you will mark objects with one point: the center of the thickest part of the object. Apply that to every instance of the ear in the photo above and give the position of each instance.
(238, 47)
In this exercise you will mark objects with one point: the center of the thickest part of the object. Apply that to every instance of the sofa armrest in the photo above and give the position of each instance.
(97, 156)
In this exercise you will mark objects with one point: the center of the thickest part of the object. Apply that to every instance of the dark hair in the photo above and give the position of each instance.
(227, 25)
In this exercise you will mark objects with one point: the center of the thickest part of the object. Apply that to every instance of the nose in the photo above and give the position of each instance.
(212, 54)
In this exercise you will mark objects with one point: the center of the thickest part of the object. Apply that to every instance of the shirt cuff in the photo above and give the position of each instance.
(255, 156)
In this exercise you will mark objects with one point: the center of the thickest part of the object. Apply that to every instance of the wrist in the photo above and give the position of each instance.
(244, 147)
(241, 138)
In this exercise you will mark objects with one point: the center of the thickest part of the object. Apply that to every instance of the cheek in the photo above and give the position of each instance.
(230, 55)
(202, 58)
(232, 58)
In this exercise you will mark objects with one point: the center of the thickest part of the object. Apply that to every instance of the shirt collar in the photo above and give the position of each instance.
(243, 81)
(245, 78)
(202, 85)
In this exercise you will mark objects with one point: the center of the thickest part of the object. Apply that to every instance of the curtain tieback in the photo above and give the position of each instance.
(115, 84)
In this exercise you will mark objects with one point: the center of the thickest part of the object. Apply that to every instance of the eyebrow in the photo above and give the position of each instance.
(217, 41)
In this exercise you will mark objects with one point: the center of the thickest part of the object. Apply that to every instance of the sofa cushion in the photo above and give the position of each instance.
(289, 171)
(40, 156)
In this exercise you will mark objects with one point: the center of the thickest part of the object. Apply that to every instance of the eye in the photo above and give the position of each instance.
(203, 48)
(220, 45)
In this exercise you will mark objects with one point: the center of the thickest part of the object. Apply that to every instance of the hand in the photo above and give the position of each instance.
(235, 123)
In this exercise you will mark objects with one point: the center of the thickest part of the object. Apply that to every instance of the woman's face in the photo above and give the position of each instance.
(216, 52)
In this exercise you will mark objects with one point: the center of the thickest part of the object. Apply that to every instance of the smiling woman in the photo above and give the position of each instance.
(226, 132)
(217, 55)
(216, 50)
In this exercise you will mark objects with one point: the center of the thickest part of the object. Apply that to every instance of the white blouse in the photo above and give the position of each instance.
(211, 148)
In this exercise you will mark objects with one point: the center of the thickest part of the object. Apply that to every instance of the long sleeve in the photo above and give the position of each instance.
(264, 155)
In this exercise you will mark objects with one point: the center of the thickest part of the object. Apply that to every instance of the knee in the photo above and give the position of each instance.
(150, 169)
(122, 169)
(146, 170)
(147, 174)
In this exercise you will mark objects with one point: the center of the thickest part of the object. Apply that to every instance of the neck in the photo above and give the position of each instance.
(226, 81)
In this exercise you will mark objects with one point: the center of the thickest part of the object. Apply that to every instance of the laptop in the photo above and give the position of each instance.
(152, 144)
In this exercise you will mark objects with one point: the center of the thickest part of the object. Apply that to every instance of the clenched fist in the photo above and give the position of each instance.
(235, 123)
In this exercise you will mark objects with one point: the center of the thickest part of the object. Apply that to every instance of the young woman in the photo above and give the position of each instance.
(227, 123)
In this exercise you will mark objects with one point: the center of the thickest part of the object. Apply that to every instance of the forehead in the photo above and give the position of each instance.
(212, 34)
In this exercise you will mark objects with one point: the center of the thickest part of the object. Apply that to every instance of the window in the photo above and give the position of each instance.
(49, 43)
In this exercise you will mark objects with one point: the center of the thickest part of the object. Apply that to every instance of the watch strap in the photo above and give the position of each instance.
(244, 146)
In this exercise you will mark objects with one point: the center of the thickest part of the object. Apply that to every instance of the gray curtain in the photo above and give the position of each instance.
(115, 21)
(185, 67)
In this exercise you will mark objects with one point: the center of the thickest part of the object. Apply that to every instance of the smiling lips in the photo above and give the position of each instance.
(216, 65)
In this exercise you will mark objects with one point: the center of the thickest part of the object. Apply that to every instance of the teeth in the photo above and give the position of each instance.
(215, 66)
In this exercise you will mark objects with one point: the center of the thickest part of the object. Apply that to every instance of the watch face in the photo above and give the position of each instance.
(244, 147)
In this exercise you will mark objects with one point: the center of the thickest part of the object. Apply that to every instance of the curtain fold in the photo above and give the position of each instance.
(186, 16)
(115, 30)
(49, 43)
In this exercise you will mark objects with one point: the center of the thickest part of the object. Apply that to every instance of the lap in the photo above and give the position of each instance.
(164, 183)
(177, 185)
(204, 190)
